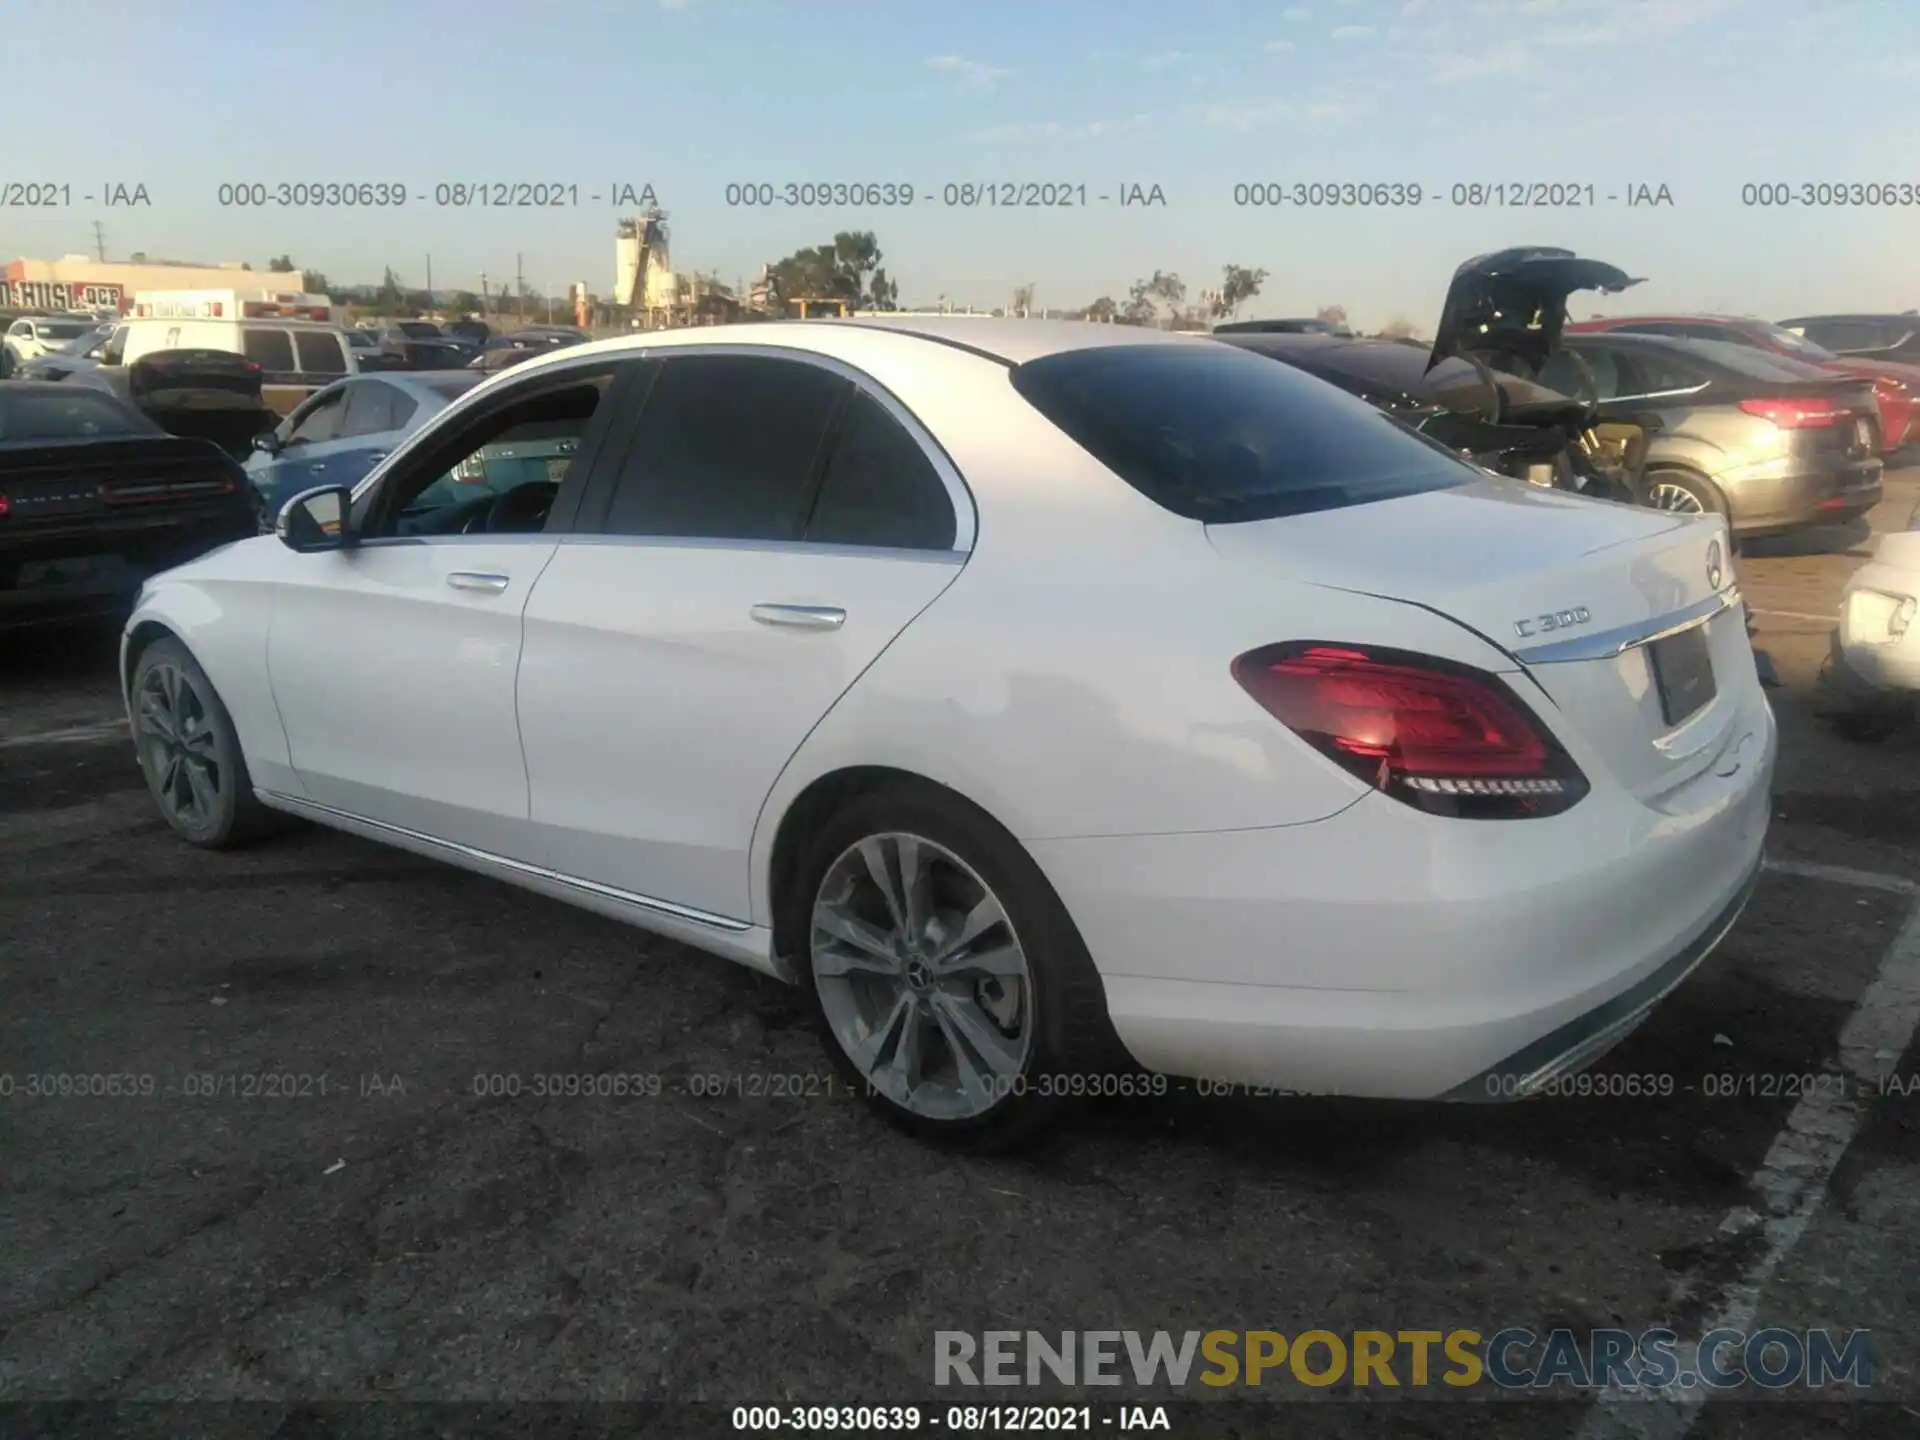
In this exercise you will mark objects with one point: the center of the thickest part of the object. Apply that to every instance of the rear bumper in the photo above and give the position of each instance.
(1389, 954)
(80, 572)
(1762, 504)
(1864, 640)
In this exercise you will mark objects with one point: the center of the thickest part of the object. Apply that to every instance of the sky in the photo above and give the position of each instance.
(1703, 97)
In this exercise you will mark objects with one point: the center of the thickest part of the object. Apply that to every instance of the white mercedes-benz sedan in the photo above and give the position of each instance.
(1052, 703)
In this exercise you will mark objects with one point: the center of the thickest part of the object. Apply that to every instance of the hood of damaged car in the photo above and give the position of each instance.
(1514, 303)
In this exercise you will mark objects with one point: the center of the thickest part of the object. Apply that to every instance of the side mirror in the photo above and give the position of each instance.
(316, 520)
(267, 442)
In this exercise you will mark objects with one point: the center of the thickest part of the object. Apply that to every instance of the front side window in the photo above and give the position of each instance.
(321, 423)
(1216, 434)
(498, 473)
(726, 449)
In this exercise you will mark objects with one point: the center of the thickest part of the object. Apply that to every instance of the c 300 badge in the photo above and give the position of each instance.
(1555, 620)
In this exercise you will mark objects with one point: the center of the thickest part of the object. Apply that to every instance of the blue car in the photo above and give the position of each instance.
(340, 433)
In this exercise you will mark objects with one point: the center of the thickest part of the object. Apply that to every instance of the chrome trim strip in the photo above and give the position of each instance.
(538, 872)
(1606, 644)
(774, 547)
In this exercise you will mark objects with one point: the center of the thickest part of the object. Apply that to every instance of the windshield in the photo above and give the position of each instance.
(62, 329)
(418, 329)
(57, 413)
(1216, 434)
(86, 342)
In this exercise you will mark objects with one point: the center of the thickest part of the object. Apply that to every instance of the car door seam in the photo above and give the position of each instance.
(519, 663)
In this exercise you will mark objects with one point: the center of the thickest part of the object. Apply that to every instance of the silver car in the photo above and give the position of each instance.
(1768, 442)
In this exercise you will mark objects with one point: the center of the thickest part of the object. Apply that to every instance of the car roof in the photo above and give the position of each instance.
(1697, 318)
(1908, 317)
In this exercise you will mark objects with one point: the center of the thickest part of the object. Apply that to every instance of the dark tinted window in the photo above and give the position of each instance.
(374, 408)
(1756, 364)
(880, 488)
(1215, 434)
(66, 415)
(320, 352)
(725, 449)
(269, 349)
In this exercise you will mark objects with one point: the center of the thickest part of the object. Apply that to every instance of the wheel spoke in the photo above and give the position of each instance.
(170, 688)
(874, 851)
(868, 1053)
(973, 1084)
(963, 1024)
(197, 739)
(1004, 961)
(851, 930)
(900, 1073)
(168, 785)
(154, 719)
(202, 781)
(979, 920)
(916, 884)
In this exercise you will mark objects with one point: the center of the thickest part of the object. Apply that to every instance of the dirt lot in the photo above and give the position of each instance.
(383, 1230)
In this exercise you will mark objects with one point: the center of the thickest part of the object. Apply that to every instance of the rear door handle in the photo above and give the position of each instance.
(476, 580)
(800, 617)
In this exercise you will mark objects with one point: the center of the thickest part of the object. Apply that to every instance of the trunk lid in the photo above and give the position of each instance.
(1513, 303)
(1571, 588)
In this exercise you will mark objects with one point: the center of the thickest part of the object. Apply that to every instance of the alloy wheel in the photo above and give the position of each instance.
(177, 742)
(1677, 498)
(922, 979)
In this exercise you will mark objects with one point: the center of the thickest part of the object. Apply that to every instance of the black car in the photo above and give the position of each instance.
(436, 354)
(1281, 327)
(1863, 337)
(1500, 323)
(95, 497)
(473, 332)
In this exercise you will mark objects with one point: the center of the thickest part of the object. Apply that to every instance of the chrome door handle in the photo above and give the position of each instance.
(800, 617)
(475, 580)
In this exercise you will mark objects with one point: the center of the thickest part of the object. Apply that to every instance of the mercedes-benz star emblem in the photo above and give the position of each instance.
(1713, 566)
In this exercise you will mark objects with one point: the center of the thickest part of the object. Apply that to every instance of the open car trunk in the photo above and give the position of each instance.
(211, 395)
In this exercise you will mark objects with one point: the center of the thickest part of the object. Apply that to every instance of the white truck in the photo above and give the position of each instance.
(294, 337)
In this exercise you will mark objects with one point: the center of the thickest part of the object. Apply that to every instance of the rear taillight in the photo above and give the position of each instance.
(1442, 737)
(6, 507)
(1807, 414)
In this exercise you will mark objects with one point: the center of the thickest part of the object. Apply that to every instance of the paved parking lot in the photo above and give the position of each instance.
(379, 1224)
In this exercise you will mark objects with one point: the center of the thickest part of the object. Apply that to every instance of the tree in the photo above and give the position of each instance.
(281, 265)
(1103, 310)
(1237, 286)
(848, 269)
(464, 302)
(1332, 314)
(317, 283)
(390, 297)
(1146, 297)
(1398, 328)
(1022, 299)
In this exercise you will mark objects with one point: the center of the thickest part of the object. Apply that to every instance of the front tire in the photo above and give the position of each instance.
(951, 986)
(1683, 493)
(190, 753)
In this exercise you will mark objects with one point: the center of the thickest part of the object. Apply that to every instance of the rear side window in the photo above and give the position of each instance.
(1752, 364)
(880, 488)
(321, 352)
(1216, 434)
(269, 349)
(725, 449)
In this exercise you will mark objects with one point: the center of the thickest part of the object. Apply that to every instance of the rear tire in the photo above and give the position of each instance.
(190, 754)
(950, 985)
(1683, 493)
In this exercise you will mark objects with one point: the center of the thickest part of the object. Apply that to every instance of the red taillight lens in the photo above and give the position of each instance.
(1442, 737)
(1800, 414)
(6, 507)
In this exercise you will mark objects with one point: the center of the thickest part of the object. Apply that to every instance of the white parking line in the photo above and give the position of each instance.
(78, 734)
(1798, 615)
(1789, 1186)
(1845, 875)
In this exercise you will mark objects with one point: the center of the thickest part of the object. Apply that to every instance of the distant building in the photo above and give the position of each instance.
(76, 282)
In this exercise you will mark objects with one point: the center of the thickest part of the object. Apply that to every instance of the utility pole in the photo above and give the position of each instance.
(485, 298)
(429, 282)
(520, 290)
(100, 241)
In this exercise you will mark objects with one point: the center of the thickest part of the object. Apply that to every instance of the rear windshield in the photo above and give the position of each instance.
(1797, 344)
(69, 415)
(320, 352)
(418, 329)
(1216, 434)
(1754, 364)
(61, 329)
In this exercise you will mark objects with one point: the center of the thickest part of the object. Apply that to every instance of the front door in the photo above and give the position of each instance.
(773, 526)
(394, 661)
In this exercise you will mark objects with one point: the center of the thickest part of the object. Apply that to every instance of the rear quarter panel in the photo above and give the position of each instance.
(1075, 680)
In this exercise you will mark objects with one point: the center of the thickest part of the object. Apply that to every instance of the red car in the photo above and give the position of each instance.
(1896, 387)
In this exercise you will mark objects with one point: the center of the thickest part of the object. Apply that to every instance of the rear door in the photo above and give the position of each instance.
(376, 418)
(776, 522)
